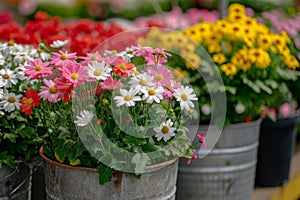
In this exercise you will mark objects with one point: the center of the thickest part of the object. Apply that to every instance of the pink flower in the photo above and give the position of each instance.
(37, 69)
(142, 51)
(127, 120)
(63, 59)
(50, 92)
(162, 75)
(75, 74)
(110, 83)
(194, 156)
(201, 137)
(169, 89)
(286, 109)
(270, 112)
(91, 57)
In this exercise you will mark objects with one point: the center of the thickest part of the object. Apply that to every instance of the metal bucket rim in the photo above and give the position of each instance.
(148, 168)
(237, 125)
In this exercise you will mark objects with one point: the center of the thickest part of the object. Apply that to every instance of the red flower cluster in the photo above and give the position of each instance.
(84, 34)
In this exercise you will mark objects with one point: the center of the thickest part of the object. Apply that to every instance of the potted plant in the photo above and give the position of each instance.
(274, 159)
(21, 132)
(255, 66)
(110, 113)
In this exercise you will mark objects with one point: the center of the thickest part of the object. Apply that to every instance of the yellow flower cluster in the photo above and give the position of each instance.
(178, 43)
(238, 42)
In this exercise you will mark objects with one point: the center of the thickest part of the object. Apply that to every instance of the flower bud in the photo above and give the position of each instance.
(206, 110)
(239, 108)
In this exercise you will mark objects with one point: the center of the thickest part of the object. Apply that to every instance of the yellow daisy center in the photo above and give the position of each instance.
(63, 57)
(74, 76)
(38, 68)
(40, 51)
(128, 97)
(122, 67)
(151, 92)
(165, 129)
(10, 43)
(159, 77)
(29, 101)
(112, 86)
(93, 58)
(5, 76)
(11, 99)
(52, 90)
(114, 51)
(105, 101)
(97, 72)
(184, 97)
(143, 82)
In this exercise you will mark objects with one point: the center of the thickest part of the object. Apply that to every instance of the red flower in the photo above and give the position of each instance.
(248, 119)
(32, 99)
(124, 68)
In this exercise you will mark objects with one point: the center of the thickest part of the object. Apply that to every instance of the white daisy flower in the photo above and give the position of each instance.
(1, 93)
(20, 57)
(165, 131)
(10, 102)
(39, 53)
(20, 72)
(127, 54)
(153, 94)
(2, 60)
(141, 82)
(84, 118)
(99, 71)
(7, 47)
(59, 43)
(185, 95)
(127, 98)
(8, 78)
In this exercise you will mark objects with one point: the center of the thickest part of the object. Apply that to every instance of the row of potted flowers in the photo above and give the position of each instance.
(132, 108)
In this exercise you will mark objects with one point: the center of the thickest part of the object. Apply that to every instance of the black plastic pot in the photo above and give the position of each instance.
(275, 150)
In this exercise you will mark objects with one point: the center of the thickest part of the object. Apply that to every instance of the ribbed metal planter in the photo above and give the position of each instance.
(14, 183)
(64, 182)
(227, 172)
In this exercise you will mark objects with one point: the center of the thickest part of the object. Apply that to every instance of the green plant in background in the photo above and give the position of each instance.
(20, 135)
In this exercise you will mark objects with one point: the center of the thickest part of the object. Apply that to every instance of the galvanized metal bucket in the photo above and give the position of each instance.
(15, 183)
(227, 172)
(64, 182)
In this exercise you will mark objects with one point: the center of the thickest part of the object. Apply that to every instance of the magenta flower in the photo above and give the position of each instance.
(110, 84)
(194, 156)
(63, 59)
(91, 57)
(76, 74)
(50, 92)
(169, 89)
(201, 137)
(37, 69)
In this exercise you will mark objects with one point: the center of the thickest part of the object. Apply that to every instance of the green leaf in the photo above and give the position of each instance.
(141, 160)
(7, 160)
(273, 84)
(11, 136)
(251, 85)
(263, 86)
(286, 73)
(105, 174)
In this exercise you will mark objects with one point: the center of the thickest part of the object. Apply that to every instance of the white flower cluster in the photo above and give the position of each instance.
(13, 58)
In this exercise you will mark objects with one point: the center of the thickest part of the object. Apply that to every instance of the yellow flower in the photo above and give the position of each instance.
(214, 48)
(154, 32)
(291, 62)
(286, 37)
(187, 49)
(204, 29)
(237, 31)
(179, 74)
(173, 40)
(260, 57)
(278, 40)
(219, 58)
(284, 50)
(214, 38)
(249, 22)
(229, 69)
(193, 34)
(223, 26)
(264, 41)
(237, 8)
(192, 61)
(236, 17)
